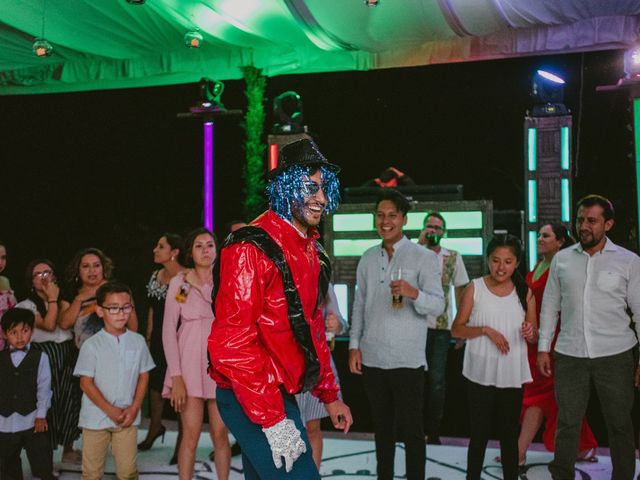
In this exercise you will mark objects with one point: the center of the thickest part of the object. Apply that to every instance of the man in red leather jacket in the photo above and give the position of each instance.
(267, 342)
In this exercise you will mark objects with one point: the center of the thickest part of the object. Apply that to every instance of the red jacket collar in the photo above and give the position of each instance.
(282, 231)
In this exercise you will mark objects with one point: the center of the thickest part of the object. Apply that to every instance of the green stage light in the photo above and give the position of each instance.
(364, 222)
(532, 213)
(533, 248)
(565, 199)
(470, 220)
(342, 295)
(564, 148)
(466, 220)
(636, 135)
(355, 248)
(464, 245)
(532, 148)
(353, 222)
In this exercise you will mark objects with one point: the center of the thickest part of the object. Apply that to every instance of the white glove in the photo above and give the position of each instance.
(284, 440)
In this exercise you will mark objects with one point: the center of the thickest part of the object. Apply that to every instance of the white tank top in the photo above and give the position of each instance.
(483, 362)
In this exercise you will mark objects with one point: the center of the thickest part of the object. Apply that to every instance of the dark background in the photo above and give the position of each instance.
(114, 169)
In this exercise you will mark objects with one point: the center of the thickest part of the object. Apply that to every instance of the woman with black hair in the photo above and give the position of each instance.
(166, 253)
(496, 315)
(186, 325)
(539, 403)
(57, 343)
(87, 271)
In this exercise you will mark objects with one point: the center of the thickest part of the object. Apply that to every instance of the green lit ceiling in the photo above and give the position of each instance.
(103, 44)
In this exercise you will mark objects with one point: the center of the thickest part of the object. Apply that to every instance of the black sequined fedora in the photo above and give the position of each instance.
(301, 152)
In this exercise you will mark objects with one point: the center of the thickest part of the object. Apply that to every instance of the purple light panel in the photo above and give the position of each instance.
(208, 175)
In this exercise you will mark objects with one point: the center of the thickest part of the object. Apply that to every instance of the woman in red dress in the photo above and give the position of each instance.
(539, 401)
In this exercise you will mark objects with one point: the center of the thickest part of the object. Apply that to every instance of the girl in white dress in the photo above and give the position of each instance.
(497, 314)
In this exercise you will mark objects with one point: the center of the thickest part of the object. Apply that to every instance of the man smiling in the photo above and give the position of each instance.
(389, 333)
(593, 285)
(267, 342)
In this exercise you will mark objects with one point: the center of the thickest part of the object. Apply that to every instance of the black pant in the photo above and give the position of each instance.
(438, 342)
(612, 377)
(493, 406)
(396, 397)
(39, 453)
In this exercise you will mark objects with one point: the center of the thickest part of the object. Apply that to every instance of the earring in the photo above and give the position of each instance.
(173, 258)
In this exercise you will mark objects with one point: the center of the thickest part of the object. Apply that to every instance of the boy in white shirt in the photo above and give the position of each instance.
(113, 366)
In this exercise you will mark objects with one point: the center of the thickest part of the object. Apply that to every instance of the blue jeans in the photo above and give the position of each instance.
(257, 460)
(438, 342)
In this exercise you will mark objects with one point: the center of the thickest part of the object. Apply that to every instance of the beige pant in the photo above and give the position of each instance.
(124, 446)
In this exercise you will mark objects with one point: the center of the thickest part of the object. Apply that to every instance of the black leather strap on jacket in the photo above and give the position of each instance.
(325, 274)
(299, 326)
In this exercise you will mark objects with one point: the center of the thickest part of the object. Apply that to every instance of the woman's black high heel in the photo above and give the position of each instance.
(148, 442)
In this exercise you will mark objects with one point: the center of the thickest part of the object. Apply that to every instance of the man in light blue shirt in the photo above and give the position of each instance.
(389, 332)
(593, 285)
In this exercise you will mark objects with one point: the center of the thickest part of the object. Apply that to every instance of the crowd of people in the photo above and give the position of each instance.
(241, 330)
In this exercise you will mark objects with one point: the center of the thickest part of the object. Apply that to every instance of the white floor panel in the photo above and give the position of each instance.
(342, 459)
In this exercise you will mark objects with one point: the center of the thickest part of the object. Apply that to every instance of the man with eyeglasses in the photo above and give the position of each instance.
(453, 273)
(268, 342)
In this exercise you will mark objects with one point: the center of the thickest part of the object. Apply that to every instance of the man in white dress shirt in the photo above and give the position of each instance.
(593, 285)
(387, 341)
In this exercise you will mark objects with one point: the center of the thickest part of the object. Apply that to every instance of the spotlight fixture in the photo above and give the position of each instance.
(193, 39)
(548, 94)
(136, 2)
(42, 48)
(632, 62)
(372, 3)
(287, 111)
(210, 93)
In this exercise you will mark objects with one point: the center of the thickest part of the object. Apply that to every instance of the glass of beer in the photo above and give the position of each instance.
(396, 300)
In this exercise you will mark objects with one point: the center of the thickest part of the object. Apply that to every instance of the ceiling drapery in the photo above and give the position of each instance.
(103, 44)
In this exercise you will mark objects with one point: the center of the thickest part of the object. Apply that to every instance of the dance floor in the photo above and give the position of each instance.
(350, 458)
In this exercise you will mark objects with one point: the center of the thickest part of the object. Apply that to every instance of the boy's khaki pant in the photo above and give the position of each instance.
(124, 446)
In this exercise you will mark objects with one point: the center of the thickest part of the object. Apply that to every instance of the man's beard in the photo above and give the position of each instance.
(433, 240)
(297, 213)
(592, 242)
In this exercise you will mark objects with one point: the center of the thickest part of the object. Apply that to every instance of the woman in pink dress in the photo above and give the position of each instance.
(539, 403)
(185, 330)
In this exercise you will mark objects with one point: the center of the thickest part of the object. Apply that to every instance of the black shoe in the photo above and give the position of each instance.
(148, 442)
(522, 472)
(174, 459)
